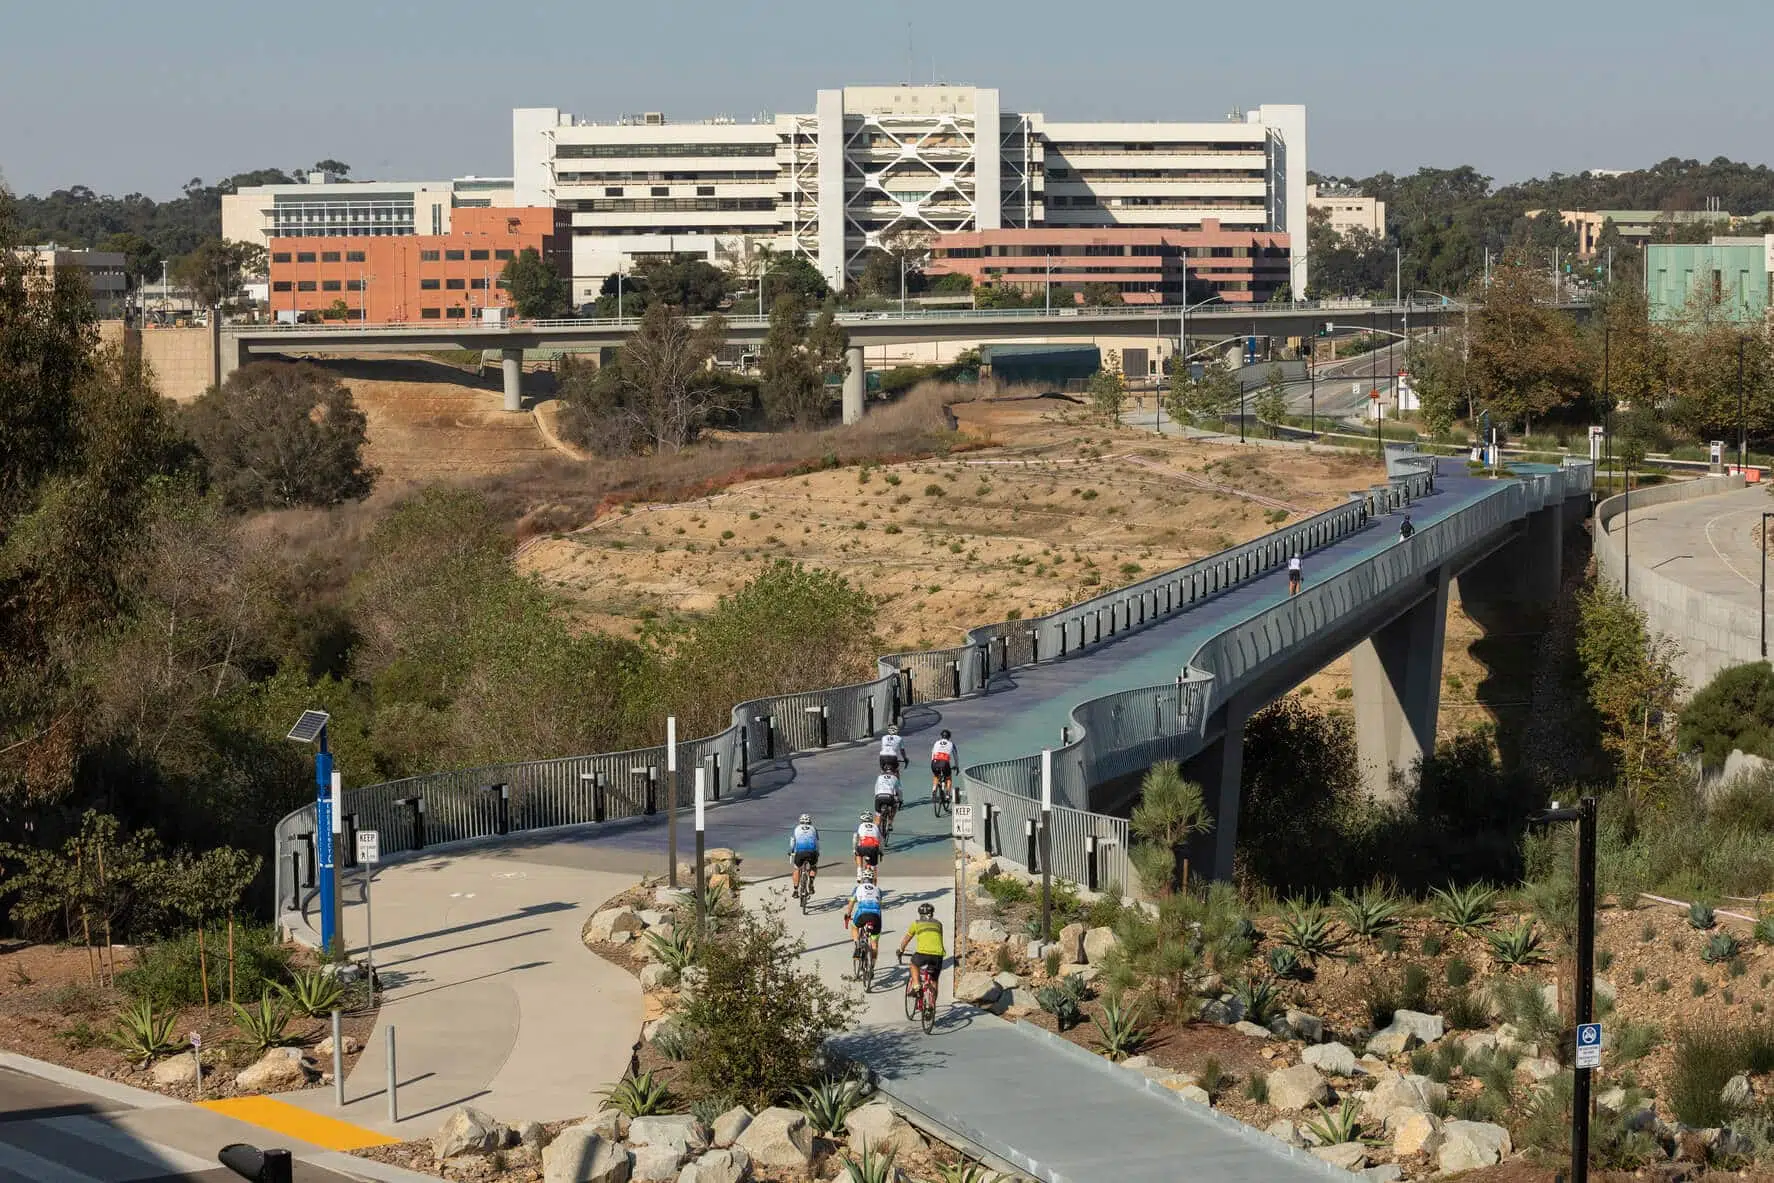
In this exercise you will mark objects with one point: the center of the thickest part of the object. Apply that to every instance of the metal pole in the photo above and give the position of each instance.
(337, 825)
(671, 802)
(1046, 847)
(1762, 544)
(338, 1062)
(323, 841)
(701, 865)
(1742, 424)
(1585, 982)
(1626, 536)
(393, 1081)
(369, 932)
(1312, 370)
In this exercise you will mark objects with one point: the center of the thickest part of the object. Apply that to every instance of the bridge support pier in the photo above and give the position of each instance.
(854, 378)
(512, 362)
(1530, 567)
(1219, 770)
(1398, 690)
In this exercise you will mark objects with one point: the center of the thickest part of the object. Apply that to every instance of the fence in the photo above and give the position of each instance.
(455, 806)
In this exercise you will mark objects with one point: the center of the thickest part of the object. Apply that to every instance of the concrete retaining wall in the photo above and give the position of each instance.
(182, 360)
(1712, 633)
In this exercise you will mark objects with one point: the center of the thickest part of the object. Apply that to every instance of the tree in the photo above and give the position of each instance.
(1733, 712)
(1102, 295)
(217, 271)
(1271, 405)
(797, 276)
(1633, 687)
(1108, 391)
(537, 290)
(688, 283)
(336, 167)
(1438, 374)
(1170, 812)
(1211, 396)
(659, 392)
(337, 310)
(1525, 359)
(282, 435)
(793, 389)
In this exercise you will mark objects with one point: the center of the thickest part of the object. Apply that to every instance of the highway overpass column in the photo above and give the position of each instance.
(853, 384)
(512, 362)
(1219, 770)
(1398, 690)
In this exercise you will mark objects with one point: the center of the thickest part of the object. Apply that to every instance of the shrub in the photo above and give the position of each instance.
(1638, 975)
(934, 490)
(871, 1166)
(1661, 985)
(1431, 945)
(143, 1035)
(1463, 1011)
(278, 435)
(1547, 1128)
(1004, 961)
(1006, 891)
(1263, 999)
(1720, 946)
(1764, 933)
(1256, 1088)
(672, 1043)
(262, 1025)
(1633, 1040)
(639, 1095)
(1465, 909)
(1734, 710)
(1459, 972)
(167, 974)
(1516, 946)
(1306, 929)
(1052, 963)
(312, 993)
(1369, 914)
(675, 950)
(1212, 1076)
(1121, 1029)
(1061, 1003)
(1332, 1127)
(1701, 916)
(1285, 963)
(828, 1103)
(1698, 987)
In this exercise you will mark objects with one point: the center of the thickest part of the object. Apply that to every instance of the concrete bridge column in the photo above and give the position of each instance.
(1219, 770)
(1398, 690)
(854, 378)
(512, 362)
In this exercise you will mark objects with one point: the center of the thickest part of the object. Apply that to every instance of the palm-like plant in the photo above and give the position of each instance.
(676, 950)
(1306, 929)
(1285, 963)
(1465, 909)
(1121, 1029)
(828, 1103)
(1519, 945)
(312, 993)
(262, 1024)
(1369, 914)
(1263, 999)
(639, 1095)
(144, 1036)
(871, 1166)
(1333, 1127)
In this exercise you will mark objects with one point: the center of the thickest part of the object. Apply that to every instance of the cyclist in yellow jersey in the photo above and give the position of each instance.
(926, 930)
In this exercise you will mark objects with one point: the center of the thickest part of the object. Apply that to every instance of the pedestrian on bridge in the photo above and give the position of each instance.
(1405, 529)
(1293, 574)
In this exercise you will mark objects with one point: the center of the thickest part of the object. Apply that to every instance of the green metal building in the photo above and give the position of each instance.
(1736, 272)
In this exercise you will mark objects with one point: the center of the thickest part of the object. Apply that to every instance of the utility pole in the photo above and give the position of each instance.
(1585, 817)
(1742, 423)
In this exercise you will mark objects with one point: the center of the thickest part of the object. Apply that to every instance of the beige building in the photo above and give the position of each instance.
(322, 206)
(102, 270)
(1349, 211)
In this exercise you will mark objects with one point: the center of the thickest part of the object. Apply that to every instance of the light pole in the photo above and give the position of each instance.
(1742, 424)
(1047, 287)
(1762, 545)
(1585, 817)
(328, 822)
(1183, 320)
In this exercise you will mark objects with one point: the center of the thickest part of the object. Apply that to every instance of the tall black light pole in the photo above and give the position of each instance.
(1762, 545)
(1584, 815)
(1312, 372)
(1626, 530)
(1742, 424)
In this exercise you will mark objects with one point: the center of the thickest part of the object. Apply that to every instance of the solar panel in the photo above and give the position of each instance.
(308, 726)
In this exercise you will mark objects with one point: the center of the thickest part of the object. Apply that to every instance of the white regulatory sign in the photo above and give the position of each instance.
(369, 846)
(197, 1041)
(963, 815)
(1589, 1045)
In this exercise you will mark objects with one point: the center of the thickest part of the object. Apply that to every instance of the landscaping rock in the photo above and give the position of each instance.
(1287, 1131)
(531, 1134)
(1416, 1133)
(729, 1125)
(1216, 1010)
(669, 899)
(1393, 1041)
(1470, 1145)
(1386, 1172)
(655, 1164)
(877, 1126)
(977, 988)
(1195, 1093)
(658, 977)
(1299, 1087)
(176, 1070)
(683, 1132)
(1333, 1058)
(277, 1071)
(1246, 1027)
(1097, 943)
(725, 1165)
(651, 917)
(467, 1131)
(1737, 1094)
(986, 932)
(611, 921)
(1304, 1026)
(1427, 1028)
(1348, 1156)
(1395, 1097)
(1071, 945)
(652, 1031)
(1366, 1065)
(1136, 1063)
(580, 1156)
(1084, 973)
(607, 1124)
(1479, 1043)
(1537, 1069)
(1037, 951)
(1007, 980)
(325, 1047)
(779, 1137)
(1725, 1143)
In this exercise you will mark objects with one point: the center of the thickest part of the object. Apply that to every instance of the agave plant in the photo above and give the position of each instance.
(1333, 1127)
(1121, 1029)
(1516, 946)
(1307, 930)
(1701, 916)
(1285, 963)
(144, 1036)
(1060, 1002)
(1465, 909)
(828, 1103)
(676, 950)
(1720, 946)
(871, 1166)
(312, 993)
(1369, 914)
(672, 1043)
(1263, 999)
(962, 1172)
(262, 1024)
(639, 1095)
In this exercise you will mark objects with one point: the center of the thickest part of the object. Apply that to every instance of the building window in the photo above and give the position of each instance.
(354, 285)
(478, 285)
(456, 313)
(613, 191)
(705, 190)
(480, 256)
(331, 285)
(661, 191)
(354, 256)
(454, 285)
(304, 256)
(282, 285)
(428, 256)
(453, 256)
(430, 285)
(281, 257)
(504, 254)
(430, 314)
(306, 285)
(329, 256)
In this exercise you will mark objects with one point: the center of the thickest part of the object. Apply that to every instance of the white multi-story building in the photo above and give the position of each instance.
(1348, 211)
(872, 163)
(103, 271)
(321, 206)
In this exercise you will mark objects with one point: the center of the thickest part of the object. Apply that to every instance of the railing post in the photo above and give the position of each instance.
(769, 737)
(307, 841)
(714, 778)
(908, 686)
(1033, 862)
(350, 841)
(1034, 646)
(987, 840)
(868, 731)
(417, 805)
(1063, 627)
(745, 755)
(1090, 879)
(597, 796)
(1003, 651)
(955, 671)
(825, 723)
(295, 880)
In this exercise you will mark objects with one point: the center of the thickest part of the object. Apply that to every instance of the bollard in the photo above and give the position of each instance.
(908, 686)
(393, 1081)
(350, 841)
(869, 730)
(502, 807)
(714, 773)
(597, 796)
(652, 788)
(1033, 862)
(825, 727)
(986, 839)
(1090, 863)
(745, 756)
(1034, 645)
(955, 672)
(416, 808)
(338, 1062)
(295, 880)
(769, 736)
(307, 840)
(1004, 651)
(1063, 628)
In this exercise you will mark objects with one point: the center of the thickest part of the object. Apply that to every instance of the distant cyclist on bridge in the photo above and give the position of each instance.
(1405, 529)
(892, 750)
(888, 799)
(803, 850)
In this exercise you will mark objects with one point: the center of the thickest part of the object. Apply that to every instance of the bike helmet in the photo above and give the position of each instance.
(865, 874)
(806, 819)
(945, 733)
(893, 729)
(865, 817)
(926, 911)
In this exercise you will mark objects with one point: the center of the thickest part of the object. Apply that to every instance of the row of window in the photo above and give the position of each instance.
(325, 285)
(616, 177)
(665, 205)
(1092, 201)
(1094, 175)
(453, 285)
(455, 256)
(443, 313)
(325, 256)
(599, 151)
(477, 255)
(661, 191)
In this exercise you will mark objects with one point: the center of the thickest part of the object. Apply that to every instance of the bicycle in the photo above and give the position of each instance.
(920, 997)
(805, 893)
(863, 959)
(939, 792)
(887, 815)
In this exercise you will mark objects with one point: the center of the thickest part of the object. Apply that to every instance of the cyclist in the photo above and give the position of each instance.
(927, 956)
(887, 800)
(943, 758)
(868, 843)
(803, 850)
(862, 912)
(892, 750)
(1294, 574)
(1405, 529)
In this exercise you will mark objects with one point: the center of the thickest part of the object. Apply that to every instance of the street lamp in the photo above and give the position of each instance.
(312, 728)
(1742, 424)
(1584, 816)
(1762, 544)
(1047, 287)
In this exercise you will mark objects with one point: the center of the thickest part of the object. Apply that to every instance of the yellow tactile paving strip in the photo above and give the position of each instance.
(316, 1129)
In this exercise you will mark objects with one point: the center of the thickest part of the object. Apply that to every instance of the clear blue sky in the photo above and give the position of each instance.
(141, 97)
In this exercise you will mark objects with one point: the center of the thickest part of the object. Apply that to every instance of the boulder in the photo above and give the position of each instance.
(683, 1132)
(986, 932)
(1479, 1043)
(1097, 943)
(1347, 1156)
(876, 1126)
(1725, 1144)
(1299, 1087)
(467, 1131)
(1333, 1058)
(722, 859)
(651, 917)
(1287, 1131)
(1470, 1145)
(1137, 1063)
(1416, 1133)
(669, 899)
(1246, 1027)
(652, 1031)
(658, 977)
(1195, 1093)
(176, 1070)
(1386, 1172)
(278, 1071)
(1396, 1097)
(607, 1124)
(1393, 1041)
(1071, 945)
(655, 1164)
(1536, 1068)
(1084, 973)
(1221, 1012)
(977, 988)
(611, 921)
(1007, 981)
(723, 1165)
(1304, 1026)
(1427, 1028)
(729, 1125)
(530, 1134)
(580, 1156)
(779, 1137)
(1737, 1094)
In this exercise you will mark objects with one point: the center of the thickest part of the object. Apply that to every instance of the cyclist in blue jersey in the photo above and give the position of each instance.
(862, 912)
(803, 849)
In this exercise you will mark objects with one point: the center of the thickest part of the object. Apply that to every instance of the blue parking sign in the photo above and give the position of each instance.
(1589, 1045)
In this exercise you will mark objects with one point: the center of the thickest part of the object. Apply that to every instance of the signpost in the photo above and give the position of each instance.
(961, 818)
(369, 853)
(197, 1056)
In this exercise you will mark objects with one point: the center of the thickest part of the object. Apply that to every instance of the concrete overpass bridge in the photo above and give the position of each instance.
(238, 344)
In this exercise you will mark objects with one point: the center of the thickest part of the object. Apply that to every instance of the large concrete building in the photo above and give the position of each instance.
(1734, 274)
(323, 206)
(870, 164)
(103, 272)
(1346, 212)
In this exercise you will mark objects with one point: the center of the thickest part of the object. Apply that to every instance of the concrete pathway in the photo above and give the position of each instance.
(1708, 544)
(494, 999)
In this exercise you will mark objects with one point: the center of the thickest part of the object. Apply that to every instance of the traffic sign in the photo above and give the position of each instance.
(963, 816)
(1589, 1045)
(196, 1041)
(369, 846)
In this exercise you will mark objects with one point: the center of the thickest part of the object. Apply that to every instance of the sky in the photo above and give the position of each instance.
(134, 97)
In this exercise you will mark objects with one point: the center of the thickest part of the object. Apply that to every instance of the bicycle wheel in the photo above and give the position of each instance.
(911, 999)
(868, 973)
(927, 1004)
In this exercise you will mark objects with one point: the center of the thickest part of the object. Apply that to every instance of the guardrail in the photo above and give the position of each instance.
(448, 807)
